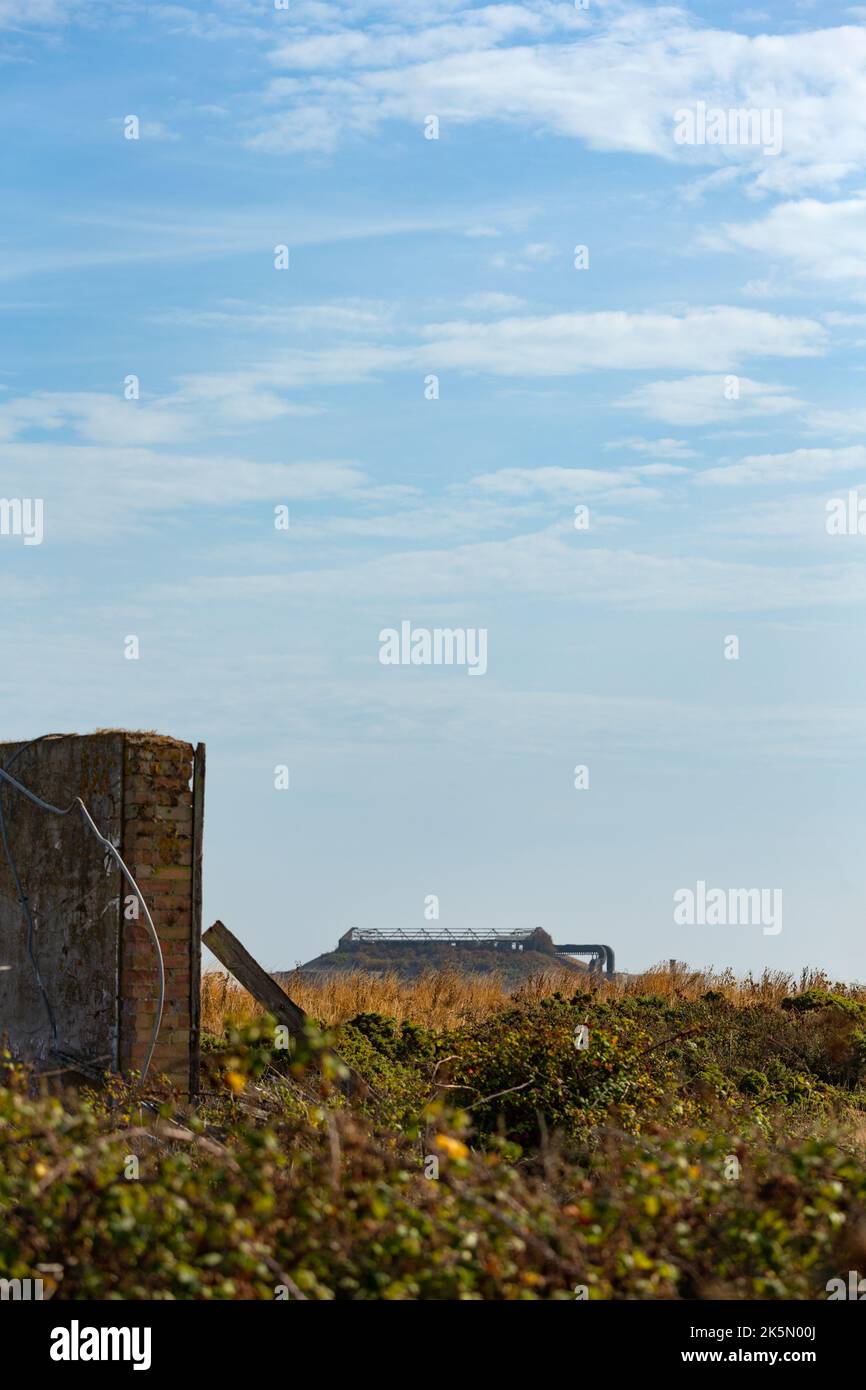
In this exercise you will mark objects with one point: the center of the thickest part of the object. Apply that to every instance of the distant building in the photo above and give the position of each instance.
(513, 955)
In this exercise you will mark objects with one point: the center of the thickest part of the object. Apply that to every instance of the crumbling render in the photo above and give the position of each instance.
(78, 804)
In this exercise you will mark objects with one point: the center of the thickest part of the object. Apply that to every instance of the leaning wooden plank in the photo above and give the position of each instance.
(247, 971)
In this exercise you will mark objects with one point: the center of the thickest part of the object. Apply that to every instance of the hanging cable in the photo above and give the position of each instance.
(77, 803)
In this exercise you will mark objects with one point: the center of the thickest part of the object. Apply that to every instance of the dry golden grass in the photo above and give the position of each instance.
(448, 999)
(437, 999)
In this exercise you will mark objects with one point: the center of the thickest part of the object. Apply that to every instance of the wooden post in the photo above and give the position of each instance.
(195, 921)
(247, 971)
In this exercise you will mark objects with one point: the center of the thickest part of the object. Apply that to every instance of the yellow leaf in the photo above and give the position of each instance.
(452, 1147)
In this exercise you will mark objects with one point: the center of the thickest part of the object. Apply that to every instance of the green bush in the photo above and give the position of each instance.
(812, 999)
(690, 1150)
(524, 1064)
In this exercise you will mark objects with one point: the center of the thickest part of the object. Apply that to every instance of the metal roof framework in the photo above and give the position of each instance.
(436, 934)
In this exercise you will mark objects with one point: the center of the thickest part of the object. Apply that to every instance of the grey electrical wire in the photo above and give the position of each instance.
(59, 811)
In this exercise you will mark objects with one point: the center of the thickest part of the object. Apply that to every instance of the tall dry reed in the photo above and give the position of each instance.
(448, 999)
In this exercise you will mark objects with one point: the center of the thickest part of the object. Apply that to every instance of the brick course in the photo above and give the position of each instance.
(158, 846)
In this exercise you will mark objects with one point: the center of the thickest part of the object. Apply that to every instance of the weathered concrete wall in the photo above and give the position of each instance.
(73, 889)
(94, 952)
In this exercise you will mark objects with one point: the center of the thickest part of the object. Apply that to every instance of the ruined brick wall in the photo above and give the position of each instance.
(146, 794)
(160, 846)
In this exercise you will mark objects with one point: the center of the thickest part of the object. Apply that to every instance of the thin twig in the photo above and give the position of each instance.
(497, 1094)
(701, 1027)
(334, 1145)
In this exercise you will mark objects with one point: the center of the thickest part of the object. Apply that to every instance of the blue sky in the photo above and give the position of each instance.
(557, 387)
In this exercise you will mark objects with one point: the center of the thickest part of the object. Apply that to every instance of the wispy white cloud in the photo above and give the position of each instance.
(345, 316)
(208, 403)
(104, 491)
(16, 14)
(387, 45)
(794, 467)
(556, 563)
(655, 448)
(838, 422)
(568, 483)
(820, 241)
(493, 302)
(132, 236)
(614, 81)
(704, 400)
(202, 406)
(561, 344)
